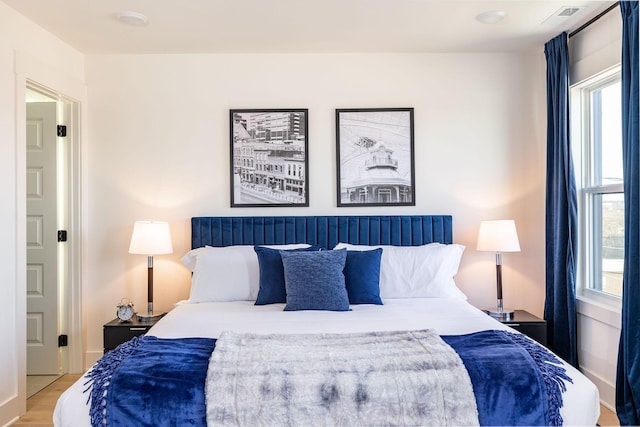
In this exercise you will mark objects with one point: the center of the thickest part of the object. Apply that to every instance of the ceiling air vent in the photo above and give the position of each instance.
(562, 15)
(569, 11)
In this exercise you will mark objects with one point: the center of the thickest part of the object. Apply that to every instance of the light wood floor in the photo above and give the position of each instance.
(40, 406)
(35, 383)
(608, 418)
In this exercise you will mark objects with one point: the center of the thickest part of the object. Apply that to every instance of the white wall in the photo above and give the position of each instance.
(158, 148)
(26, 51)
(596, 48)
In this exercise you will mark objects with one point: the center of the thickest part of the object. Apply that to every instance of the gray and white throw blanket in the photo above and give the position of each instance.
(388, 378)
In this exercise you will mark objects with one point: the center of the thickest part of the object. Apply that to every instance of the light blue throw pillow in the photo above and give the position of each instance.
(315, 281)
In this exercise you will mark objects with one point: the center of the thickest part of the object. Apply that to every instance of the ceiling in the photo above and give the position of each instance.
(304, 26)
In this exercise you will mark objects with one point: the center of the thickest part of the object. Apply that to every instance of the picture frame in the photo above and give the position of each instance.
(269, 161)
(375, 159)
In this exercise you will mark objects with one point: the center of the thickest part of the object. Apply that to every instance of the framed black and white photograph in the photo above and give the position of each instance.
(269, 163)
(375, 160)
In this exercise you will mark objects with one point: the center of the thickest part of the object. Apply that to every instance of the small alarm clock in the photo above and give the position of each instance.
(125, 310)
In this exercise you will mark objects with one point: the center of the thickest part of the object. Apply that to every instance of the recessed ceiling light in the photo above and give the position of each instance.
(132, 18)
(491, 16)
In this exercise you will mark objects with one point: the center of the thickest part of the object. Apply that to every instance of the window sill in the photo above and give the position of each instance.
(602, 309)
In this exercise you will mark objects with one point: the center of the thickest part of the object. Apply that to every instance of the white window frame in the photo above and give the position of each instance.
(584, 161)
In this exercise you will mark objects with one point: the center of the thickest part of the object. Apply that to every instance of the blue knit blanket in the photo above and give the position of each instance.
(150, 381)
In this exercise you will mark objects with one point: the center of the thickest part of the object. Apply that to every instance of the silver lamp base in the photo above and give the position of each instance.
(500, 312)
(149, 317)
(503, 314)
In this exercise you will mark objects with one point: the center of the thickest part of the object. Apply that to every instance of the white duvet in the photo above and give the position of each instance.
(448, 316)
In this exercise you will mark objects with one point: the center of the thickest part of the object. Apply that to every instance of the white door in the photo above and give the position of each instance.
(42, 240)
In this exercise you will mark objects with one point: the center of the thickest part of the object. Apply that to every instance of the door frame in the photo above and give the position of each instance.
(31, 72)
(70, 302)
(67, 112)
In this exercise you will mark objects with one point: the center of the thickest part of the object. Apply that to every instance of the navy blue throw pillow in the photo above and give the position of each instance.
(315, 281)
(362, 276)
(272, 288)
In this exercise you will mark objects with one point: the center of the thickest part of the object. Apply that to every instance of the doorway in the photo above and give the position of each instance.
(47, 214)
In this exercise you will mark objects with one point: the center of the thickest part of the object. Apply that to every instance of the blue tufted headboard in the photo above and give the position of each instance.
(324, 231)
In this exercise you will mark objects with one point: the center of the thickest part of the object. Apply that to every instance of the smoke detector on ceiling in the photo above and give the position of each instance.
(491, 16)
(132, 18)
(563, 14)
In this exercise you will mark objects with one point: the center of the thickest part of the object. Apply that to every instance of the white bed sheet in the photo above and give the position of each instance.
(447, 316)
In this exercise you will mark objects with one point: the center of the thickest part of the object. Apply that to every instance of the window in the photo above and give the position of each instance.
(598, 135)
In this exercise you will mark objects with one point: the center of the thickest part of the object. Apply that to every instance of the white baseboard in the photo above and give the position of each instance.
(12, 408)
(12, 421)
(605, 388)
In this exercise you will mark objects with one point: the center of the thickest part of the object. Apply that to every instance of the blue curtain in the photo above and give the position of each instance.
(561, 208)
(628, 375)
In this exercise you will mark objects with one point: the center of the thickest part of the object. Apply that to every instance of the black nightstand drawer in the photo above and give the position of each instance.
(536, 331)
(528, 324)
(117, 332)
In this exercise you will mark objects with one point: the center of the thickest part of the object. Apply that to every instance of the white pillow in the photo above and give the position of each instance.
(229, 273)
(417, 271)
(189, 259)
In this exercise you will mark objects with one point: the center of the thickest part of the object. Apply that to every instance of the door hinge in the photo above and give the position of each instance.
(62, 341)
(62, 235)
(62, 130)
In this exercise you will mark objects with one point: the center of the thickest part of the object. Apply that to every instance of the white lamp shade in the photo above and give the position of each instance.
(498, 236)
(150, 238)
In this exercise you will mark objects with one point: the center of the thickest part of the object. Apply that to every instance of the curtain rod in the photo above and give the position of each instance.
(594, 19)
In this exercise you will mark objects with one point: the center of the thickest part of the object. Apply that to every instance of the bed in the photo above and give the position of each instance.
(237, 312)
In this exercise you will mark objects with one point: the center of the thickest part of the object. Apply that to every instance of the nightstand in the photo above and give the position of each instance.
(528, 324)
(116, 332)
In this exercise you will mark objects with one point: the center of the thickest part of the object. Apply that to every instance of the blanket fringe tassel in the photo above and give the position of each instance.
(553, 374)
(99, 377)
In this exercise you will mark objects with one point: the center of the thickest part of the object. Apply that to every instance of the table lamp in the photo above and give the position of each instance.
(150, 238)
(498, 236)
